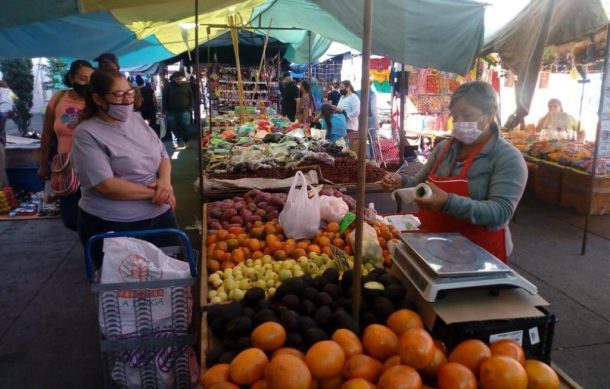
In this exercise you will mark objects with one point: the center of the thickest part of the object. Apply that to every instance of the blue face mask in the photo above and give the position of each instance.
(119, 112)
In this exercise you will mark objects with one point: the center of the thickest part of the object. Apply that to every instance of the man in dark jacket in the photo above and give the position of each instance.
(178, 104)
(290, 92)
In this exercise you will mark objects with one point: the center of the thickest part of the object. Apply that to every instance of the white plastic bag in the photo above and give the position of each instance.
(332, 209)
(300, 217)
(371, 250)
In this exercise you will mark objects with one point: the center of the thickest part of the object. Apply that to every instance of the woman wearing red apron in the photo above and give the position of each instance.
(477, 178)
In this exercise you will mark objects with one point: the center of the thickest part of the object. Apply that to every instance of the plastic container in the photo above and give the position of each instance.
(25, 178)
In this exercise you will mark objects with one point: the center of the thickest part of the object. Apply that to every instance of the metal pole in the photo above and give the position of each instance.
(403, 100)
(367, 38)
(209, 93)
(597, 137)
(309, 60)
(584, 81)
(197, 108)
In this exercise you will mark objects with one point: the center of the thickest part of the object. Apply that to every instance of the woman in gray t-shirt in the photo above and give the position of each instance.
(123, 167)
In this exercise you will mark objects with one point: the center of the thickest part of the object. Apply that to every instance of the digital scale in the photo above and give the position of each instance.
(436, 263)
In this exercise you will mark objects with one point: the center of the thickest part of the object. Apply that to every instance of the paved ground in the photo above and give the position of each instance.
(48, 334)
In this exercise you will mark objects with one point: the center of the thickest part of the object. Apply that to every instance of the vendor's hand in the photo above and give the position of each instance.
(171, 201)
(391, 182)
(163, 189)
(43, 172)
(436, 202)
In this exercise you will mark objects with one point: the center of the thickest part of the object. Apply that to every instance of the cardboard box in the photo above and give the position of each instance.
(475, 313)
(575, 193)
(548, 183)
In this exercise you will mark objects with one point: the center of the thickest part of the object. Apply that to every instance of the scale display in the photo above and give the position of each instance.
(452, 255)
(437, 263)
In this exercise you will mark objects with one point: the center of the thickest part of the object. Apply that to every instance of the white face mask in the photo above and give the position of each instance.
(466, 132)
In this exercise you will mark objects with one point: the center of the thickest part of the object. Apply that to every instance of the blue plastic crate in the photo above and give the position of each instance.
(24, 178)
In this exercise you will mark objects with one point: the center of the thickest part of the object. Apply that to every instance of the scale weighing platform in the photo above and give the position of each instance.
(440, 262)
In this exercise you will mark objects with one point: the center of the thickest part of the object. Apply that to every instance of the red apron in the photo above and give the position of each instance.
(492, 241)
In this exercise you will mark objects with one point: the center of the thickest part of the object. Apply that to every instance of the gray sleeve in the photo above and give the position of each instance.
(162, 148)
(506, 186)
(90, 161)
(422, 175)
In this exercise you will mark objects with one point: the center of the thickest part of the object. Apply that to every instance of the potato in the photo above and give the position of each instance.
(245, 212)
(260, 212)
(239, 205)
(228, 214)
(249, 226)
(266, 196)
(237, 199)
(236, 220)
(272, 215)
(262, 204)
(270, 208)
(228, 204)
(216, 213)
(252, 207)
(215, 226)
(253, 218)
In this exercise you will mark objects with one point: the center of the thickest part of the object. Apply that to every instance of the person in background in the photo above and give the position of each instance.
(61, 118)
(558, 120)
(305, 104)
(177, 104)
(7, 98)
(123, 167)
(477, 178)
(109, 61)
(150, 106)
(290, 94)
(334, 95)
(349, 104)
(317, 93)
(373, 120)
(334, 124)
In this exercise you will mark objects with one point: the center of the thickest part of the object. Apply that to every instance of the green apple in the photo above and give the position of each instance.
(311, 268)
(296, 268)
(227, 273)
(212, 294)
(319, 261)
(249, 262)
(258, 262)
(266, 259)
(245, 284)
(229, 284)
(277, 266)
(303, 261)
(223, 296)
(286, 265)
(216, 300)
(326, 258)
(285, 274)
(267, 266)
(313, 255)
(269, 284)
(261, 284)
(298, 273)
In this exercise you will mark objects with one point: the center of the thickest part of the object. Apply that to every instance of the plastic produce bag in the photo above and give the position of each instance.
(300, 217)
(332, 209)
(371, 250)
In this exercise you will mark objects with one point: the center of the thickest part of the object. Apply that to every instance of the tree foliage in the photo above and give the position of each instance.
(18, 75)
(55, 70)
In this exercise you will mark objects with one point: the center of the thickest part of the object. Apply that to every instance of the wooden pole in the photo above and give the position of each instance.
(233, 20)
(209, 91)
(362, 133)
(601, 113)
(260, 66)
(309, 58)
(403, 92)
(197, 108)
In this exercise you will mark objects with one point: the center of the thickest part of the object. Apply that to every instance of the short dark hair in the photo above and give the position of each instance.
(139, 80)
(177, 74)
(478, 93)
(74, 68)
(107, 57)
(100, 82)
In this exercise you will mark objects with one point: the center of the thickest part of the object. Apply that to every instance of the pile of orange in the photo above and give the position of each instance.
(382, 359)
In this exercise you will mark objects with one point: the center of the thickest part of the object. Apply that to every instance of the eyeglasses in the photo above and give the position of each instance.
(122, 94)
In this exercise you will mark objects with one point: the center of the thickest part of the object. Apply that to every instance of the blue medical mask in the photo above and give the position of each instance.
(119, 112)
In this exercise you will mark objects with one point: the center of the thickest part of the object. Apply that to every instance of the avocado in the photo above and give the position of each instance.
(342, 303)
(248, 312)
(333, 290)
(229, 343)
(389, 279)
(367, 318)
(307, 307)
(263, 316)
(290, 320)
(330, 276)
(242, 343)
(239, 326)
(407, 304)
(307, 280)
(227, 357)
(289, 286)
(253, 295)
(394, 292)
(323, 315)
(213, 355)
(310, 293)
(260, 305)
(294, 340)
(383, 308)
(291, 301)
(342, 319)
(377, 274)
(306, 323)
(346, 280)
(323, 298)
(214, 312)
(218, 327)
(373, 289)
(314, 335)
(230, 311)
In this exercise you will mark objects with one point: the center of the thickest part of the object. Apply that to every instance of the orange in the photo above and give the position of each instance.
(222, 245)
(213, 265)
(454, 375)
(357, 383)
(224, 385)
(323, 241)
(348, 341)
(258, 223)
(391, 361)
(211, 239)
(298, 252)
(438, 360)
(248, 366)
(302, 245)
(222, 234)
(215, 374)
(289, 248)
(471, 354)
(331, 383)
(325, 359)
(540, 375)
(268, 336)
(227, 265)
(270, 238)
(338, 242)
(258, 233)
(280, 255)
(236, 230)
(262, 384)
(288, 350)
(257, 254)
(362, 366)
(287, 371)
(500, 372)
(383, 243)
(219, 255)
(243, 239)
(275, 246)
(400, 377)
(332, 227)
(314, 248)
(270, 228)
(380, 342)
(403, 320)
(348, 249)
(238, 255)
(508, 348)
(327, 250)
(254, 244)
(232, 244)
(416, 348)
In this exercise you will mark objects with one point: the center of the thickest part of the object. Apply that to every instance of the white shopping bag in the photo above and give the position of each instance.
(300, 218)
